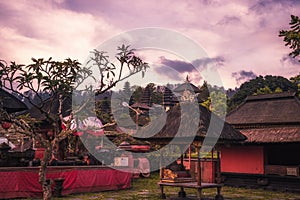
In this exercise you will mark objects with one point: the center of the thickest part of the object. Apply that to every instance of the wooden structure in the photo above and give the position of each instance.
(141, 106)
(21, 153)
(192, 178)
(140, 113)
(178, 128)
(271, 122)
(51, 106)
(44, 125)
(169, 99)
(146, 96)
(10, 103)
(187, 85)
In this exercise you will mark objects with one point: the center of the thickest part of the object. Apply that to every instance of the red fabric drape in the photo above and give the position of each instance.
(24, 182)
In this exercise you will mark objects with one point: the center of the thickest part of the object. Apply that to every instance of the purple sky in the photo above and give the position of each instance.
(240, 37)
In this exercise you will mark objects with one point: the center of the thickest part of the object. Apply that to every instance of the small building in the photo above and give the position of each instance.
(270, 155)
(10, 103)
(13, 145)
(187, 124)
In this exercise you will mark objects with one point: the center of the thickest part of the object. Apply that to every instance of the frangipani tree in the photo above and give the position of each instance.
(60, 80)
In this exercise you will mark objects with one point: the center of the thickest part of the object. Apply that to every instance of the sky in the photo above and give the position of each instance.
(239, 38)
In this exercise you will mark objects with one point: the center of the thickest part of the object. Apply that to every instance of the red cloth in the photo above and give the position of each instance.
(78, 133)
(23, 182)
(39, 153)
(96, 133)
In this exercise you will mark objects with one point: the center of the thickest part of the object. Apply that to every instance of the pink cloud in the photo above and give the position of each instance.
(244, 33)
(44, 30)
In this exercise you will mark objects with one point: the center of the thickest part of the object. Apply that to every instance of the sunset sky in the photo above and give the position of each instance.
(239, 37)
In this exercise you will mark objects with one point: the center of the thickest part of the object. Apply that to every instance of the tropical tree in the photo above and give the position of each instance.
(127, 89)
(60, 80)
(278, 90)
(125, 94)
(291, 37)
(214, 98)
(137, 93)
(265, 90)
(155, 95)
(296, 80)
(260, 85)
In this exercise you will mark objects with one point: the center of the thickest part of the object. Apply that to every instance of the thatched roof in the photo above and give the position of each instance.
(272, 134)
(11, 103)
(141, 106)
(190, 123)
(280, 108)
(270, 118)
(187, 86)
(51, 106)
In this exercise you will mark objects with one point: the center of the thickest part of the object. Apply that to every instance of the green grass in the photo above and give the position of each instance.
(147, 188)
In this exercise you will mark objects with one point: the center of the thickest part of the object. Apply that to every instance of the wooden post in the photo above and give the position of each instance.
(163, 196)
(76, 152)
(212, 166)
(160, 167)
(199, 168)
(218, 170)
(199, 193)
(137, 119)
(190, 157)
(199, 190)
(181, 161)
(22, 144)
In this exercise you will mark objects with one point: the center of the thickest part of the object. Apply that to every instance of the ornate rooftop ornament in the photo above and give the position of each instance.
(188, 96)
(187, 79)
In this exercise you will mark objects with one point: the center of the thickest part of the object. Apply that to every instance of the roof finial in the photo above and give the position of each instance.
(187, 79)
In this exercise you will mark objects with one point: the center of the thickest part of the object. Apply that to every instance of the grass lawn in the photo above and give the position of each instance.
(147, 188)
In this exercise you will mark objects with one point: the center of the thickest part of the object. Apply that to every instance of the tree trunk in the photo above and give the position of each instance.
(47, 192)
(46, 184)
